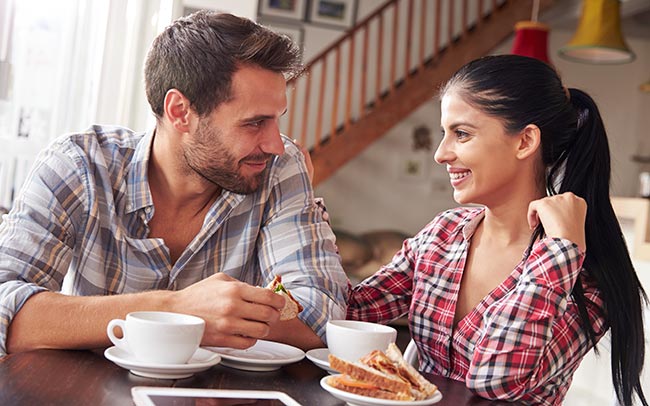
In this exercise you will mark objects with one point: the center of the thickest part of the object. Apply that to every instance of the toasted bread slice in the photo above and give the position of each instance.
(422, 388)
(352, 385)
(291, 306)
(369, 375)
(378, 360)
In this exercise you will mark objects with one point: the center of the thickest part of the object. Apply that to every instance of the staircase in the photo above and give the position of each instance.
(385, 67)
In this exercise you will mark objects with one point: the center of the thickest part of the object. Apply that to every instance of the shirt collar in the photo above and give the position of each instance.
(470, 227)
(138, 192)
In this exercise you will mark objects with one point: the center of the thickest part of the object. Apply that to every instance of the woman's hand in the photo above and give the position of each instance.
(563, 216)
(308, 163)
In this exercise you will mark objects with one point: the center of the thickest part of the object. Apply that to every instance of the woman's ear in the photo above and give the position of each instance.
(530, 139)
(177, 111)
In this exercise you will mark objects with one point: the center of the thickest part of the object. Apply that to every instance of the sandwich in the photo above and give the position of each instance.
(384, 375)
(291, 306)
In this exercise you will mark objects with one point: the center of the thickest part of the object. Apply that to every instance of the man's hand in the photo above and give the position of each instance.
(236, 314)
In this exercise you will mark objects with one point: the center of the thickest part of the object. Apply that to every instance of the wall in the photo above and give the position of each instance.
(372, 192)
(624, 108)
(317, 37)
(592, 381)
(311, 95)
(242, 8)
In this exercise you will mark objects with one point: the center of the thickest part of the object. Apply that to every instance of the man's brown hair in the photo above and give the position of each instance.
(198, 55)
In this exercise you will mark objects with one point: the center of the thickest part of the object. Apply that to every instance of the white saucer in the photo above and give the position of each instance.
(263, 356)
(358, 400)
(200, 361)
(319, 357)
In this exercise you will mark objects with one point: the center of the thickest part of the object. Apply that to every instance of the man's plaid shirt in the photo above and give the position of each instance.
(83, 213)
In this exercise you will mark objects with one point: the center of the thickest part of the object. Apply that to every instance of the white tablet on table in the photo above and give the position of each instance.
(156, 396)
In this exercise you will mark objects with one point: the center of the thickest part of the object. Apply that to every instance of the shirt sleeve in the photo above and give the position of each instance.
(297, 243)
(535, 332)
(36, 237)
(386, 295)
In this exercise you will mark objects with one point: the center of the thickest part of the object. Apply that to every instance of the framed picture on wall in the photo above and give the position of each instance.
(240, 8)
(414, 167)
(336, 13)
(289, 9)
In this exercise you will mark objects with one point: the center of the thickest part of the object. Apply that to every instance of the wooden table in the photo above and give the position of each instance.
(52, 377)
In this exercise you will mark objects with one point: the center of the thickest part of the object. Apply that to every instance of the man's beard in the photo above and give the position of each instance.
(208, 157)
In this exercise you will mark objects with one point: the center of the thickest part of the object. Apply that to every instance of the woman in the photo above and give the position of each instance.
(509, 296)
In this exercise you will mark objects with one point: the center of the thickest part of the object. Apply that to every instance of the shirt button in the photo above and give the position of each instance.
(147, 210)
(129, 206)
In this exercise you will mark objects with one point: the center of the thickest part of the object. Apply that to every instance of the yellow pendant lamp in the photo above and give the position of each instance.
(598, 39)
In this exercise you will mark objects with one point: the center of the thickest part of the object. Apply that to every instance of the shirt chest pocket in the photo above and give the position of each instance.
(144, 266)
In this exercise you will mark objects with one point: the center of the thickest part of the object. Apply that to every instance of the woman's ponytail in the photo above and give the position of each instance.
(587, 174)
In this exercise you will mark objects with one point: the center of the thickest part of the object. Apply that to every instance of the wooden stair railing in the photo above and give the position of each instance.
(395, 60)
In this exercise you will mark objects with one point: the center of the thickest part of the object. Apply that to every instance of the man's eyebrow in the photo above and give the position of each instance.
(261, 117)
(258, 117)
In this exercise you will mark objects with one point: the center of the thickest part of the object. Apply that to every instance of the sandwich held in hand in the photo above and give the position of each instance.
(291, 306)
(381, 375)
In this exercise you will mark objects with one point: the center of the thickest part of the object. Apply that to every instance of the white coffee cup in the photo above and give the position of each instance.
(351, 340)
(158, 337)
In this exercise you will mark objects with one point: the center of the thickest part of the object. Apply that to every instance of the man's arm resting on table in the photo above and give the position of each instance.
(241, 314)
(52, 320)
(295, 332)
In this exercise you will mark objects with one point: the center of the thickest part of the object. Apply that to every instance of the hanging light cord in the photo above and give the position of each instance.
(535, 11)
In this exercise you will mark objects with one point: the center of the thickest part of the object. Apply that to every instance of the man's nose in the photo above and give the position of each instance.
(272, 143)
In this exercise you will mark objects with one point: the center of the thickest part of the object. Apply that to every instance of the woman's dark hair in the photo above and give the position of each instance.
(521, 91)
(198, 55)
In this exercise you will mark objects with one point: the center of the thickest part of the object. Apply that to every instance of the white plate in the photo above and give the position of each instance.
(358, 400)
(263, 356)
(319, 357)
(200, 361)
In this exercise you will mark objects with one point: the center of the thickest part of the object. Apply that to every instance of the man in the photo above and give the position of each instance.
(190, 217)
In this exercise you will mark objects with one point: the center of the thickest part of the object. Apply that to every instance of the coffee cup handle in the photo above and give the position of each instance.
(119, 342)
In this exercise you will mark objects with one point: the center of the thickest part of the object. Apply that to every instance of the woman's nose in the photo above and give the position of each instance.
(443, 153)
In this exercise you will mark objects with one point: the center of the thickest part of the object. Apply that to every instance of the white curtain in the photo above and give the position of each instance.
(73, 63)
(6, 29)
(67, 64)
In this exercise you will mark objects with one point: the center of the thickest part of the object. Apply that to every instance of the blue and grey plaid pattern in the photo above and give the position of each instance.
(79, 226)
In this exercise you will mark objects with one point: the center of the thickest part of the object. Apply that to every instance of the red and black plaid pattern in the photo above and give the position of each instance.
(521, 342)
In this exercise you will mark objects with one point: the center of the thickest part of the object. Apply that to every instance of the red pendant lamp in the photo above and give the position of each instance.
(531, 37)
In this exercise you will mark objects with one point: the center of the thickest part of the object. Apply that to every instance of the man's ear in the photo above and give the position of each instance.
(177, 111)
(530, 139)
